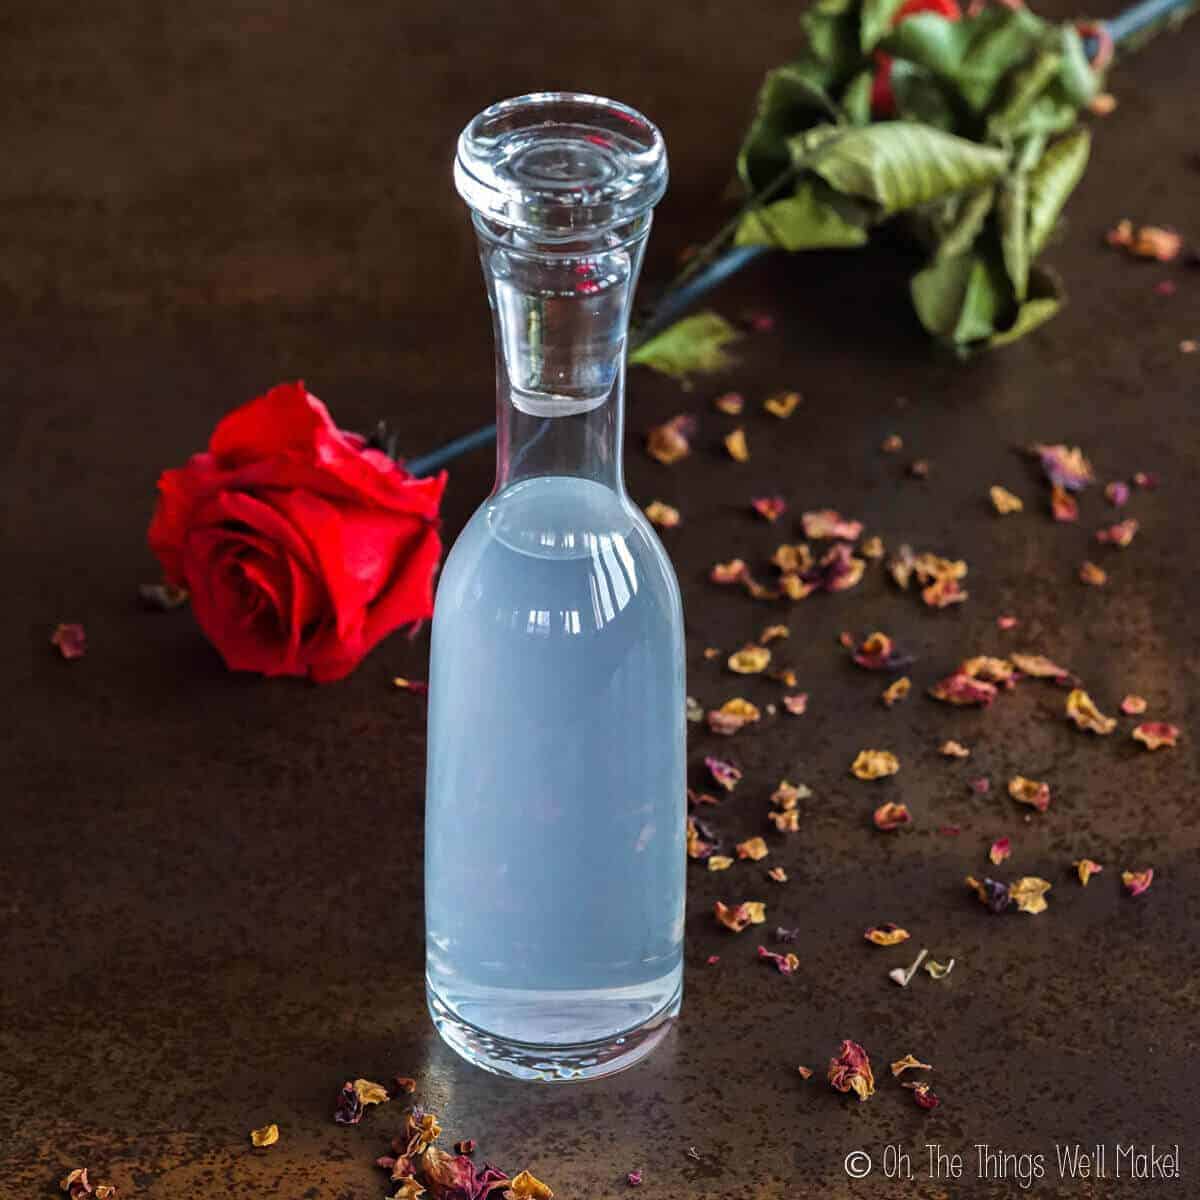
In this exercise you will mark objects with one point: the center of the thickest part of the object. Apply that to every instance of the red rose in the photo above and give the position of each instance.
(883, 102)
(301, 547)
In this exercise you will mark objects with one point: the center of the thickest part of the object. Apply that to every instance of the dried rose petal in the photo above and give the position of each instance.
(699, 842)
(1143, 480)
(793, 559)
(874, 764)
(724, 773)
(953, 749)
(164, 597)
(787, 821)
(1133, 705)
(1151, 241)
(941, 593)
(785, 964)
(1085, 868)
(1154, 734)
(407, 1189)
(692, 710)
(418, 687)
(662, 515)
(268, 1135)
(752, 848)
(527, 1187)
(993, 894)
(737, 917)
(896, 691)
(1120, 534)
(712, 960)
(421, 1130)
(850, 1071)
(872, 547)
(1065, 466)
(1092, 575)
(919, 468)
(962, 689)
(774, 633)
(634, 1179)
(733, 715)
(804, 1072)
(892, 443)
(1029, 791)
(794, 587)
(1117, 493)
(1029, 894)
(349, 1109)
(1120, 234)
(1063, 506)
(937, 970)
(797, 705)
(770, 507)
(786, 676)
(902, 566)
(1137, 882)
(1000, 849)
(909, 1063)
(71, 640)
(829, 523)
(981, 786)
(1040, 667)
(736, 445)
(733, 571)
(788, 795)
(923, 1095)
(838, 570)
(749, 660)
(887, 934)
(671, 441)
(879, 653)
(989, 669)
(782, 405)
(1006, 621)
(466, 1146)
(404, 1083)
(929, 567)
(1081, 709)
(1003, 501)
(731, 403)
(890, 816)
(777, 874)
(719, 862)
(1102, 104)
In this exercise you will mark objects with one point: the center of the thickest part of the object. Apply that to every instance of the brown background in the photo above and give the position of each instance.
(210, 908)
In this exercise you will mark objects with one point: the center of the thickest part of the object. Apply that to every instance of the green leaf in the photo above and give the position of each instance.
(968, 223)
(960, 299)
(856, 99)
(930, 41)
(875, 21)
(919, 97)
(900, 164)
(805, 221)
(832, 30)
(1045, 300)
(1026, 87)
(1052, 181)
(694, 344)
(1013, 213)
(791, 98)
(1076, 77)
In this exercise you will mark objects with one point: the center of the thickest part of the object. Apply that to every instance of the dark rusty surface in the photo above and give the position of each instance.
(211, 903)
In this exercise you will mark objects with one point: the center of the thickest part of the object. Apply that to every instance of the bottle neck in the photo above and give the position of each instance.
(561, 317)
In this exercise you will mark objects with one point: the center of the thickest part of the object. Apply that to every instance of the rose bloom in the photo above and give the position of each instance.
(300, 546)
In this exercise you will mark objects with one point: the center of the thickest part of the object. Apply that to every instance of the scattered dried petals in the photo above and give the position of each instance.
(1092, 575)
(1006, 621)
(892, 443)
(1137, 882)
(793, 559)
(719, 862)
(923, 1095)
(1133, 705)
(941, 593)
(777, 874)
(421, 1130)
(693, 711)
(1151, 241)
(850, 1071)
(736, 445)
(1003, 501)
(752, 848)
(1029, 791)
(1143, 480)
(1120, 534)
(527, 1187)
(804, 1072)
(829, 523)
(787, 821)
(466, 1146)
(770, 507)
(872, 547)
(993, 894)
(886, 934)
(838, 570)
(1188, 346)
(749, 660)
(963, 689)
(724, 773)
(1000, 849)
(407, 1189)
(733, 715)
(797, 705)
(953, 749)
(785, 964)
(1063, 506)
(634, 1179)
(782, 405)
(1040, 667)
(937, 970)
(733, 571)
(71, 640)
(712, 960)
(671, 441)
(787, 795)
(1155, 734)
(1029, 894)
(1081, 709)
(1065, 466)
(699, 841)
(730, 403)
(909, 1063)
(662, 515)
(418, 687)
(1121, 234)
(919, 468)
(738, 916)
(890, 816)
(1117, 493)
(897, 691)
(268, 1135)
(879, 653)
(773, 633)
(874, 764)
(1085, 868)
(902, 566)
(162, 596)
(902, 976)
(981, 786)
(989, 668)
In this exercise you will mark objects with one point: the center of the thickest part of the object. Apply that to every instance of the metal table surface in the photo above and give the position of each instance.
(211, 904)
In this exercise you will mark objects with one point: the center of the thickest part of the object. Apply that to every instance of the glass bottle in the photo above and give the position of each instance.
(555, 799)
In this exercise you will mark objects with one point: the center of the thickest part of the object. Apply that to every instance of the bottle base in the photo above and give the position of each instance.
(556, 1062)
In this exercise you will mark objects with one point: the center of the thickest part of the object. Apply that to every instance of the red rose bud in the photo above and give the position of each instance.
(301, 547)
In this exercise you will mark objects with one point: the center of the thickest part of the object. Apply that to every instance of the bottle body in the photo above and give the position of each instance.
(556, 782)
